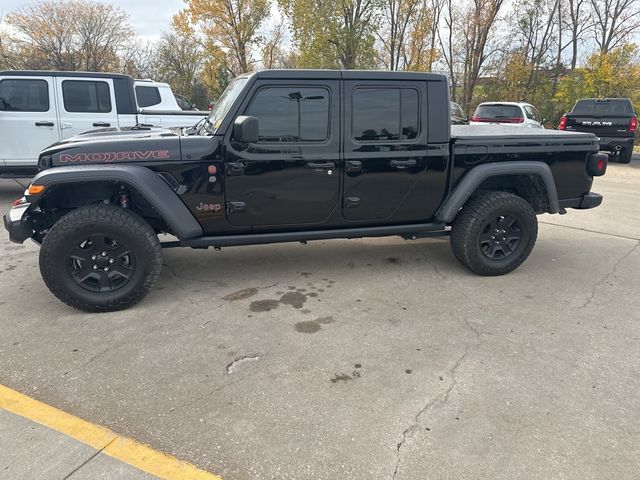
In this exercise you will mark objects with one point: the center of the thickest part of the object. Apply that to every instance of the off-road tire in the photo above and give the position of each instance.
(471, 222)
(625, 155)
(111, 221)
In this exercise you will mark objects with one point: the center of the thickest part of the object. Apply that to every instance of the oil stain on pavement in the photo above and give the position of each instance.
(312, 326)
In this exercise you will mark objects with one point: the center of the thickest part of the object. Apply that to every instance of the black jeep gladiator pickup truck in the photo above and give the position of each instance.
(296, 156)
(613, 120)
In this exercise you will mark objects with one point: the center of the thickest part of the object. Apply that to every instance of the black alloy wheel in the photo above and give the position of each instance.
(101, 264)
(500, 237)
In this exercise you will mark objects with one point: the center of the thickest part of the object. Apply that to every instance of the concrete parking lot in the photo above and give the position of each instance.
(354, 359)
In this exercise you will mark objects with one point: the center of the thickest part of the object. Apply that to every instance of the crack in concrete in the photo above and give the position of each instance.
(192, 279)
(591, 231)
(441, 399)
(430, 262)
(608, 275)
(75, 470)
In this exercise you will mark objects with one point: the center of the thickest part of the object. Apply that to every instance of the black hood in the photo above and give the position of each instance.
(114, 145)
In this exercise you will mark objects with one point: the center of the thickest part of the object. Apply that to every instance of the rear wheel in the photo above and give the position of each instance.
(625, 155)
(494, 233)
(100, 258)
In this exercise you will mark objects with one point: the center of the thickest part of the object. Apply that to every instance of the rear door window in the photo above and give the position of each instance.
(24, 95)
(147, 96)
(86, 96)
(385, 114)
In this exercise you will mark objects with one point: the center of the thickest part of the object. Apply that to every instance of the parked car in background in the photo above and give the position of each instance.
(613, 120)
(152, 95)
(518, 114)
(39, 108)
(184, 103)
(458, 117)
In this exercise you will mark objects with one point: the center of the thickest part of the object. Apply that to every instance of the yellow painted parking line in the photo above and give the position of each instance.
(110, 443)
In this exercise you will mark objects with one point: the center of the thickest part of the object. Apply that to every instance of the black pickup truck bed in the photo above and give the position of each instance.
(561, 151)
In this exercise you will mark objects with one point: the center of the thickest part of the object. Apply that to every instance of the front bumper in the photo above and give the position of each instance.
(18, 224)
(588, 200)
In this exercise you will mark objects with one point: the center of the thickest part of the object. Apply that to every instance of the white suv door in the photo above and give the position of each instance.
(85, 104)
(28, 121)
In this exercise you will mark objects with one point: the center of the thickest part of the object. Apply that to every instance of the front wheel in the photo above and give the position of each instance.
(100, 258)
(494, 233)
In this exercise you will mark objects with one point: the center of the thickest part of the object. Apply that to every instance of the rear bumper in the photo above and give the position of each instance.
(17, 223)
(588, 200)
(610, 143)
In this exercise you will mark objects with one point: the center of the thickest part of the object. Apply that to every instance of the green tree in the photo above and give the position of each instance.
(333, 33)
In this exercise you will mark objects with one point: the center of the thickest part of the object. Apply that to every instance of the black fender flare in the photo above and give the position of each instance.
(147, 183)
(472, 180)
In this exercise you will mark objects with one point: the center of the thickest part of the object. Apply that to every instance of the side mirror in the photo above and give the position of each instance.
(245, 129)
(3, 104)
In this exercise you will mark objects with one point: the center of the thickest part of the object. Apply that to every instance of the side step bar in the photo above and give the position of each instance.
(408, 232)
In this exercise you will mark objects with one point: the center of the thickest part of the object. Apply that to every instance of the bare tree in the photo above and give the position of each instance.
(70, 35)
(575, 20)
(398, 17)
(614, 22)
(475, 27)
(448, 47)
(272, 52)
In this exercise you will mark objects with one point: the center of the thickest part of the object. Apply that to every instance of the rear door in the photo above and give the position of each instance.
(85, 104)
(291, 176)
(28, 120)
(385, 150)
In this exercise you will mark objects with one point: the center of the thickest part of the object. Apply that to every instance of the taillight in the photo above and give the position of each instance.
(633, 124)
(563, 123)
(597, 164)
(497, 120)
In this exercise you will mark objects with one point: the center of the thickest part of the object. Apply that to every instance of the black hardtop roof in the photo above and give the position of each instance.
(55, 73)
(300, 74)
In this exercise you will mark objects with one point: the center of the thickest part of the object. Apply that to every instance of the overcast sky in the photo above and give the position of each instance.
(148, 17)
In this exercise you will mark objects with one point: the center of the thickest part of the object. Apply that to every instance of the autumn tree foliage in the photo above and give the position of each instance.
(230, 25)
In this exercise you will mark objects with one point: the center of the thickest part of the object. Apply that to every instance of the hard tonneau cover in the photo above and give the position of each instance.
(498, 138)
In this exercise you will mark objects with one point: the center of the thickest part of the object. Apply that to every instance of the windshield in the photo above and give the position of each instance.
(224, 103)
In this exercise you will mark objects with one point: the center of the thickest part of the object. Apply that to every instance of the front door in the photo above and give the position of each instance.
(291, 176)
(85, 104)
(385, 152)
(28, 122)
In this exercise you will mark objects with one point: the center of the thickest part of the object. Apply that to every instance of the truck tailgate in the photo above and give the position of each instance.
(601, 125)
